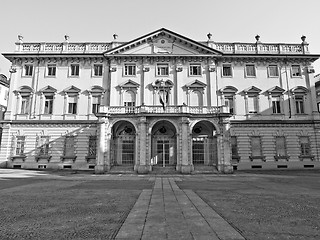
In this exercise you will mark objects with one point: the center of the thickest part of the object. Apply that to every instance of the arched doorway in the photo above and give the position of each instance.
(123, 144)
(204, 144)
(164, 142)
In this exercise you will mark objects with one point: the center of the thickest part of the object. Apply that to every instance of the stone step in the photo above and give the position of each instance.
(122, 169)
(198, 169)
(164, 170)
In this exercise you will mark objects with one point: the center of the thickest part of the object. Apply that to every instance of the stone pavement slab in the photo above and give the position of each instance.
(167, 212)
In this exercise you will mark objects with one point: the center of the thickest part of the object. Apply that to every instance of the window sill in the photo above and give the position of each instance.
(281, 157)
(64, 158)
(18, 157)
(45, 157)
(263, 158)
(227, 76)
(302, 157)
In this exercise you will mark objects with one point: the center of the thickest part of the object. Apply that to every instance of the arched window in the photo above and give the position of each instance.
(195, 91)
(196, 98)
(129, 100)
(24, 97)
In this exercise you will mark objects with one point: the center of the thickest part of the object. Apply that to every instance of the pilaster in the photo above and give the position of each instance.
(102, 163)
(142, 166)
(224, 163)
(186, 165)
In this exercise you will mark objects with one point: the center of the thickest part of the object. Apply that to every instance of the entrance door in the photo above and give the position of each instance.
(163, 148)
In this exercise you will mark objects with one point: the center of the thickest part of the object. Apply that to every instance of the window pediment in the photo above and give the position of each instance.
(275, 90)
(299, 90)
(229, 90)
(96, 90)
(24, 90)
(72, 89)
(129, 84)
(48, 90)
(252, 90)
(196, 84)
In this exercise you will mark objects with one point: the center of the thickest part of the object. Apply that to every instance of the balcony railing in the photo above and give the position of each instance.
(231, 48)
(161, 110)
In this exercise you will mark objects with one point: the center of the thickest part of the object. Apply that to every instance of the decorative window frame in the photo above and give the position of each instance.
(199, 68)
(245, 70)
(23, 91)
(301, 156)
(47, 70)
(252, 92)
(301, 92)
(128, 85)
(235, 157)
(129, 65)
(276, 92)
(261, 157)
(38, 155)
(91, 157)
(24, 70)
(162, 85)
(70, 70)
(193, 86)
(231, 69)
(69, 157)
(44, 92)
(277, 157)
(71, 91)
(94, 91)
(14, 142)
(162, 75)
(228, 92)
(93, 70)
(278, 71)
(291, 70)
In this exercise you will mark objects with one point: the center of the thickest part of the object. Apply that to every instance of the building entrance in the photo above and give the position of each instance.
(163, 145)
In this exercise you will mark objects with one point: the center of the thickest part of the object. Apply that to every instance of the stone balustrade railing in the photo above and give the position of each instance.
(160, 109)
(231, 48)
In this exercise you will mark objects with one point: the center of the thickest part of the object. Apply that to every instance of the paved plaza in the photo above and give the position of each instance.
(79, 205)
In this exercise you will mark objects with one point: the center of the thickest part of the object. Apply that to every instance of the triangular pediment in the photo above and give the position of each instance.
(252, 90)
(196, 84)
(72, 89)
(48, 89)
(275, 90)
(129, 84)
(163, 42)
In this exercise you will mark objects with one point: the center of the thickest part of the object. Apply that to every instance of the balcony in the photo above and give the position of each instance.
(160, 110)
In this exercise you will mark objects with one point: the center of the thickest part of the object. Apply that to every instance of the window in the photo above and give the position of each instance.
(256, 149)
(234, 146)
(253, 104)
(74, 70)
(281, 146)
(250, 70)
(51, 70)
(92, 146)
(96, 101)
(43, 145)
(162, 70)
(72, 104)
(299, 102)
(20, 145)
(129, 70)
(295, 71)
(48, 104)
(305, 146)
(275, 101)
(229, 103)
(129, 101)
(194, 70)
(97, 70)
(25, 105)
(226, 70)
(69, 146)
(273, 71)
(28, 70)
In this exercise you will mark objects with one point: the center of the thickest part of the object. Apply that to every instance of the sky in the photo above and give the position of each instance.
(276, 21)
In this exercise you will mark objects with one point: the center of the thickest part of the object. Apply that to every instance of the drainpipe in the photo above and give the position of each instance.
(35, 87)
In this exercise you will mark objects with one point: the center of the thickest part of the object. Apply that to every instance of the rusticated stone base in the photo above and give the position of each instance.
(143, 169)
(100, 169)
(186, 169)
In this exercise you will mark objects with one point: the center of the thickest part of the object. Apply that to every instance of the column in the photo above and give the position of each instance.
(224, 163)
(143, 166)
(186, 165)
(101, 165)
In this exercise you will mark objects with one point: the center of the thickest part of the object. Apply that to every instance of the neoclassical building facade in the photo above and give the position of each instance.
(161, 100)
